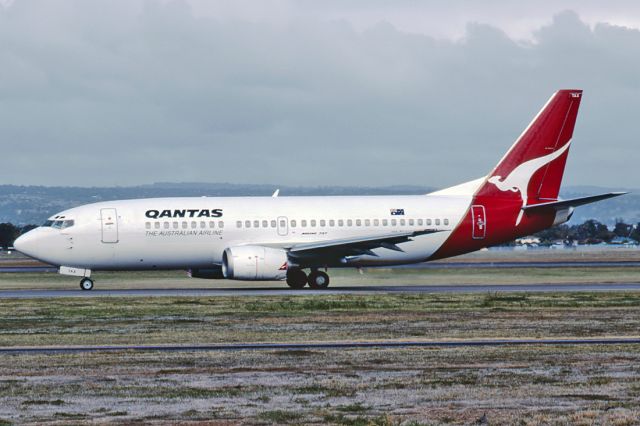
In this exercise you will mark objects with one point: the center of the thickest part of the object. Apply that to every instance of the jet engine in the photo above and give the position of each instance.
(254, 263)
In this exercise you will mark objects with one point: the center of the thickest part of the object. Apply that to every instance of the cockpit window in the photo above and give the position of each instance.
(58, 224)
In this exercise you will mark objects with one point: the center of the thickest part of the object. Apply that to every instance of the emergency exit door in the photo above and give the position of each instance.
(479, 221)
(283, 226)
(109, 219)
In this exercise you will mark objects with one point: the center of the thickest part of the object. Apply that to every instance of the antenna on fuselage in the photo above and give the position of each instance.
(276, 193)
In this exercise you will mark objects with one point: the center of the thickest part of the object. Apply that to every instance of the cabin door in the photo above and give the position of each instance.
(479, 221)
(109, 219)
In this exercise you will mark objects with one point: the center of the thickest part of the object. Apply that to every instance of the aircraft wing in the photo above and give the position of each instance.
(574, 202)
(336, 249)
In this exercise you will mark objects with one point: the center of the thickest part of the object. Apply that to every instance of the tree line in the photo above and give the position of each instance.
(9, 232)
(589, 232)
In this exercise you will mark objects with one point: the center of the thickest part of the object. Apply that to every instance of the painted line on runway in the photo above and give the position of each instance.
(321, 345)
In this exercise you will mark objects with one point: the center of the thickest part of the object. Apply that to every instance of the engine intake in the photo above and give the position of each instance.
(254, 263)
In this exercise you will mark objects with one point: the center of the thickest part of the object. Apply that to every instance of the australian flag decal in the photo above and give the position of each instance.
(397, 212)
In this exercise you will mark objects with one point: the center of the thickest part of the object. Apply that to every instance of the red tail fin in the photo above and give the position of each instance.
(532, 169)
(530, 173)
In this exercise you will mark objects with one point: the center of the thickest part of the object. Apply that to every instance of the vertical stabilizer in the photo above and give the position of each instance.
(532, 169)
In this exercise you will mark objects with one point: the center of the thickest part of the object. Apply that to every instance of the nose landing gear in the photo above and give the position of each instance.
(86, 284)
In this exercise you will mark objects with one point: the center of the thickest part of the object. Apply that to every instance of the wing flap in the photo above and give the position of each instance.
(355, 246)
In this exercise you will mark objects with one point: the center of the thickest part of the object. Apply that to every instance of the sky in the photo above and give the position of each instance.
(308, 93)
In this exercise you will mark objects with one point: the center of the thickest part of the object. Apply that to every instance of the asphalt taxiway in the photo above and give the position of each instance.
(284, 291)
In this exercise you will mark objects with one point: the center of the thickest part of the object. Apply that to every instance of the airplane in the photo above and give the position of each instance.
(279, 238)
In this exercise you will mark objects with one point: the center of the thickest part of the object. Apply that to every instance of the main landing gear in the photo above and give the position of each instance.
(297, 278)
(86, 284)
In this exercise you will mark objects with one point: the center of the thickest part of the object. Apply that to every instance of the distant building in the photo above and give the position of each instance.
(623, 241)
(528, 241)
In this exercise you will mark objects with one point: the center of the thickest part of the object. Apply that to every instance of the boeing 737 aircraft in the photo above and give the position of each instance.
(275, 238)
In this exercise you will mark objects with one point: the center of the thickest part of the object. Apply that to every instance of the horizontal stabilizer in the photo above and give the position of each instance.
(574, 202)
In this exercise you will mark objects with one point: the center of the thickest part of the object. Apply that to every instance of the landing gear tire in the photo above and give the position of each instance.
(86, 284)
(296, 278)
(318, 280)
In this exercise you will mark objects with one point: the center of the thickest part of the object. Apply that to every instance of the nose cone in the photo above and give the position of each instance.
(27, 244)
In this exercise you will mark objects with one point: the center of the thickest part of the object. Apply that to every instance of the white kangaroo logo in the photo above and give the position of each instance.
(518, 179)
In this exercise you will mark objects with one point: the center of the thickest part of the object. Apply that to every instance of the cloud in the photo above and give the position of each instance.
(103, 92)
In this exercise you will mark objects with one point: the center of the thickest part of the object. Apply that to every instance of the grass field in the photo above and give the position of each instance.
(587, 385)
(528, 385)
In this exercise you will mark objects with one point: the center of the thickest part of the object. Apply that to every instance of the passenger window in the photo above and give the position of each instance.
(166, 225)
(185, 225)
(313, 223)
(358, 222)
(419, 222)
(194, 225)
(175, 225)
(332, 222)
(394, 222)
(437, 222)
(256, 224)
(385, 222)
(283, 224)
(349, 222)
(340, 222)
(147, 225)
(303, 223)
(239, 224)
(265, 224)
(376, 222)
(446, 221)
(203, 224)
(323, 222)
(367, 222)
(212, 224)
(428, 222)
(273, 223)
(156, 225)
(402, 222)
(221, 224)
(411, 222)
(247, 224)
(293, 223)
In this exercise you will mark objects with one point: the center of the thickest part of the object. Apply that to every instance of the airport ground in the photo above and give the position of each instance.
(528, 384)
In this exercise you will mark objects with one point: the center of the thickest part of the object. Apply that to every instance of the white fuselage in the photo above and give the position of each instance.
(183, 233)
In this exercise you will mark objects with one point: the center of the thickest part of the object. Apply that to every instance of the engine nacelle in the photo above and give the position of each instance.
(254, 263)
(208, 273)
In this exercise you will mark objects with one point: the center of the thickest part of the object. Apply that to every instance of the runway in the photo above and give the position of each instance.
(427, 265)
(320, 345)
(285, 291)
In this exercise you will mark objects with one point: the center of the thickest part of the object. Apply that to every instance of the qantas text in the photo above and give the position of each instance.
(158, 214)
